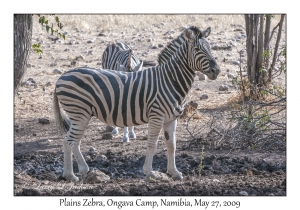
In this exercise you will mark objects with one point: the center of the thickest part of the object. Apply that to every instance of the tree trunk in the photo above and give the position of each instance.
(260, 50)
(22, 46)
(270, 70)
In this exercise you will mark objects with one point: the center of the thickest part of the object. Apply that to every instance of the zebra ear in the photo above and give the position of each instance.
(121, 68)
(138, 67)
(189, 34)
(129, 59)
(206, 32)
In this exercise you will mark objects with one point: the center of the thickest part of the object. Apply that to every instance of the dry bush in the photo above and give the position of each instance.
(189, 109)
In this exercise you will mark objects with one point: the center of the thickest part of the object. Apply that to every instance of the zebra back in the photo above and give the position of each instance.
(119, 56)
(174, 45)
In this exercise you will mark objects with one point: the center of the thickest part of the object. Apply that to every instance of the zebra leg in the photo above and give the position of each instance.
(170, 140)
(131, 133)
(72, 145)
(153, 132)
(115, 131)
(125, 138)
(68, 162)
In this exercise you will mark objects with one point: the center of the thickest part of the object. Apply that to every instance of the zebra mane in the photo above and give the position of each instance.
(174, 45)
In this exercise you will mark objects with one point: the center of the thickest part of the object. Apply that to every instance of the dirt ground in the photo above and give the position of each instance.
(38, 156)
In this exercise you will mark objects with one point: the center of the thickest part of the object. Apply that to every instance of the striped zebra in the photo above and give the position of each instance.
(118, 56)
(154, 96)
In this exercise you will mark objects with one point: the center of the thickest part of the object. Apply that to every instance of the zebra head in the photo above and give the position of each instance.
(199, 54)
(129, 68)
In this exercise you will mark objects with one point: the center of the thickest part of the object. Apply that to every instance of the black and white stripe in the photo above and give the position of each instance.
(172, 47)
(119, 56)
(154, 96)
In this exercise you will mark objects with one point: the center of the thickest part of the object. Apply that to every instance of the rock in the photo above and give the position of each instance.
(102, 160)
(72, 42)
(223, 88)
(16, 128)
(102, 34)
(53, 64)
(107, 136)
(29, 82)
(232, 43)
(48, 84)
(203, 97)
(160, 45)
(202, 77)
(80, 58)
(154, 176)
(243, 193)
(238, 29)
(154, 47)
(216, 47)
(95, 176)
(99, 129)
(48, 176)
(73, 63)
(90, 41)
(67, 50)
(231, 76)
(43, 121)
(53, 38)
(93, 151)
(57, 71)
(99, 63)
(234, 62)
(109, 128)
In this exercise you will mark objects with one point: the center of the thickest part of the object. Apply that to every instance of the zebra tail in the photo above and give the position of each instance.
(62, 121)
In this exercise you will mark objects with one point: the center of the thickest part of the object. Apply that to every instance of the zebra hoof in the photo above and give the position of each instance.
(71, 177)
(177, 176)
(125, 139)
(115, 132)
(132, 136)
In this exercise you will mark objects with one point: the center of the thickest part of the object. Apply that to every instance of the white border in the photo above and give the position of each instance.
(153, 7)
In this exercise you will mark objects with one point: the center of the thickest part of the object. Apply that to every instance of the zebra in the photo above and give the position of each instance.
(154, 96)
(118, 56)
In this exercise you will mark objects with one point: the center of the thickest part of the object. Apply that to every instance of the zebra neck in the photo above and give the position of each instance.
(180, 75)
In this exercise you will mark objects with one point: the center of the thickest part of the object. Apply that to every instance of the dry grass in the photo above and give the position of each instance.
(116, 22)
